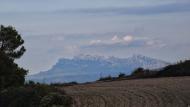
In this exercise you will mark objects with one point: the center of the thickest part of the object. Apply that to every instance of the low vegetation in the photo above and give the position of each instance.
(35, 95)
(64, 84)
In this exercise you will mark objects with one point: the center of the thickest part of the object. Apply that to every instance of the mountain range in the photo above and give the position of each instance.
(86, 68)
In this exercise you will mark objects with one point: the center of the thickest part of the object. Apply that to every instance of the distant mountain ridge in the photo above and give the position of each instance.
(85, 68)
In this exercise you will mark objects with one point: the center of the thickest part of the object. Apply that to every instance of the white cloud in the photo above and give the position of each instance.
(92, 42)
(126, 41)
(128, 38)
(115, 38)
(156, 43)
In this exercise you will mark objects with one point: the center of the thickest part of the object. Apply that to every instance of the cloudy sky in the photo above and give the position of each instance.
(53, 29)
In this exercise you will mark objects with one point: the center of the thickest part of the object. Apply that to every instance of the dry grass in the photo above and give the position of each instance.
(158, 92)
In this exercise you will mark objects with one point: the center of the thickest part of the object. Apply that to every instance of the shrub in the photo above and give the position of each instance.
(23, 96)
(56, 100)
(138, 72)
(32, 96)
(121, 75)
(64, 84)
(108, 78)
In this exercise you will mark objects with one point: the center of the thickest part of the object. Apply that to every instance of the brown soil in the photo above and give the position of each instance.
(157, 92)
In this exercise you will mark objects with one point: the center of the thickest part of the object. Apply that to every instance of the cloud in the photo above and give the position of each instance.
(155, 43)
(143, 10)
(128, 38)
(115, 38)
(127, 41)
(58, 38)
(92, 42)
(173, 7)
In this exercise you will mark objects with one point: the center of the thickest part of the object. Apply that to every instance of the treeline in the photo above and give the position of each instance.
(14, 90)
(180, 69)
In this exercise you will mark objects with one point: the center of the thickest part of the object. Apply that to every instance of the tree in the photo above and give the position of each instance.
(121, 75)
(138, 72)
(11, 42)
(11, 48)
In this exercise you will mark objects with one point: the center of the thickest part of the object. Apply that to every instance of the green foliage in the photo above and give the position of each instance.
(10, 48)
(121, 75)
(64, 84)
(36, 95)
(22, 97)
(179, 69)
(108, 78)
(56, 100)
(138, 72)
(10, 73)
(11, 43)
(13, 92)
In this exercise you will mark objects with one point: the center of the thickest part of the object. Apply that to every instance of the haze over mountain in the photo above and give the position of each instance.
(85, 68)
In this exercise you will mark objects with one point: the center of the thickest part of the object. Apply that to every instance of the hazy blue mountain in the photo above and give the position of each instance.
(85, 68)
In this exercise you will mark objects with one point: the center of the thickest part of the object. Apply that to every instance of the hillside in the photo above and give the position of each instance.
(85, 68)
(157, 92)
(180, 69)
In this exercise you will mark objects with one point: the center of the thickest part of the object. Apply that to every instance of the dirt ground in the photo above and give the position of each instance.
(157, 92)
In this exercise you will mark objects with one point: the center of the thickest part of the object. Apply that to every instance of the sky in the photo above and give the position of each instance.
(54, 29)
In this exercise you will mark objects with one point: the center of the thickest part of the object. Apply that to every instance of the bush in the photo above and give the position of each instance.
(138, 72)
(23, 96)
(64, 84)
(121, 75)
(32, 96)
(56, 100)
(108, 78)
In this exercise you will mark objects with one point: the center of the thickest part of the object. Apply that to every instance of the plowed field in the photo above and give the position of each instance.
(157, 92)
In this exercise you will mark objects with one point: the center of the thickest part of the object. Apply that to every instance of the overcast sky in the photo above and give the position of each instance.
(54, 29)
